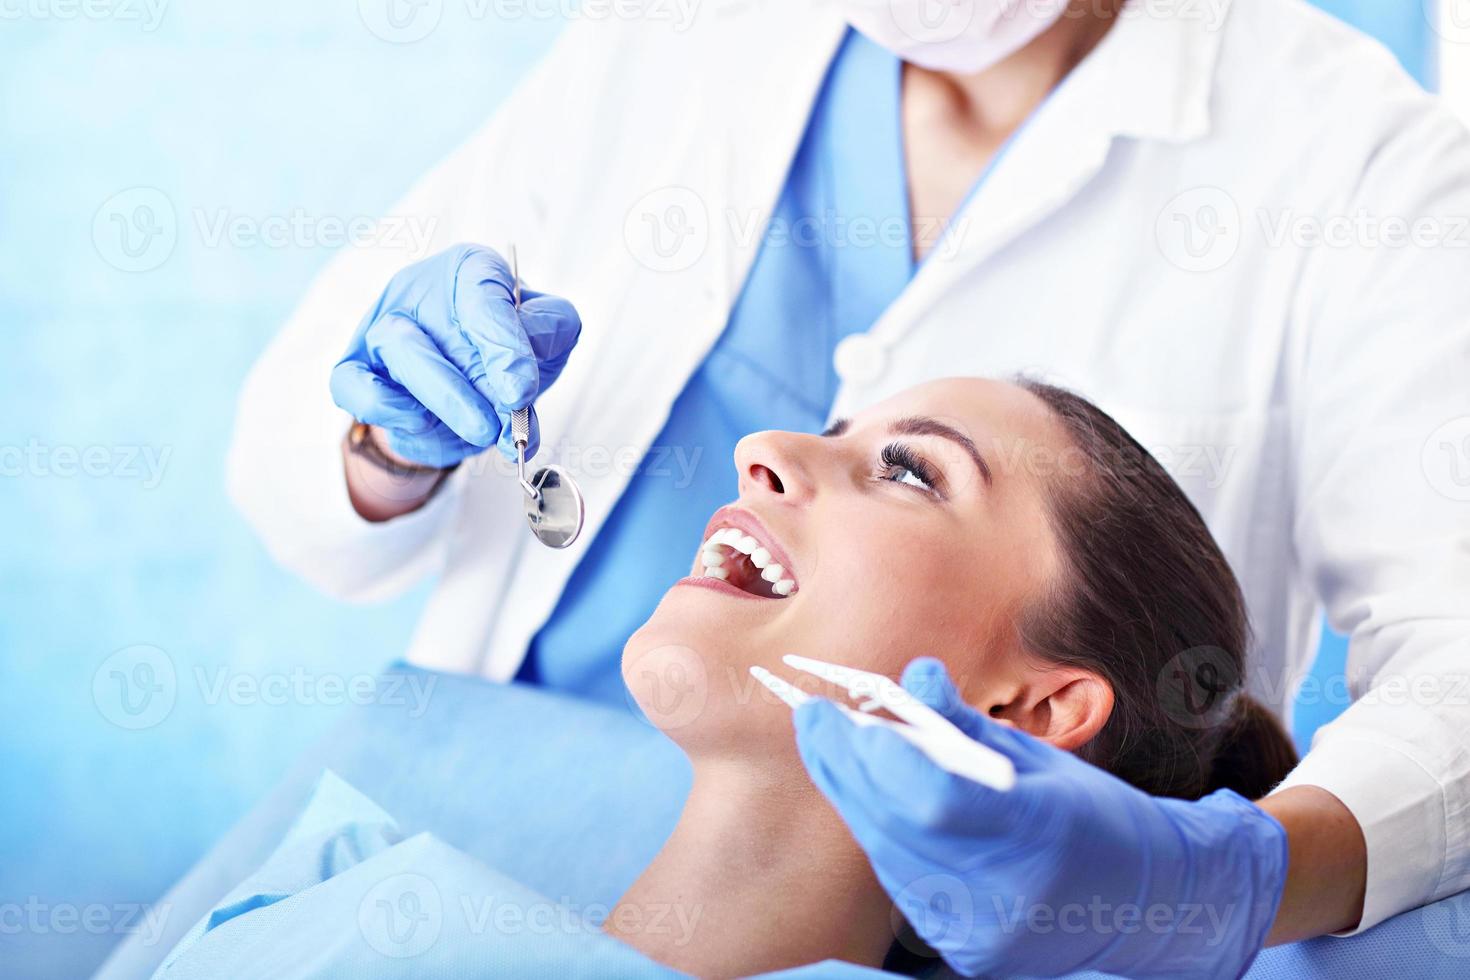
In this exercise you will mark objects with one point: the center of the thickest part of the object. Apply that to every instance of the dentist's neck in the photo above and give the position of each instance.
(1001, 98)
(953, 124)
(760, 874)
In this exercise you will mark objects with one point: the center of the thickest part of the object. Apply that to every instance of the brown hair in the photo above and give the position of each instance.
(1147, 600)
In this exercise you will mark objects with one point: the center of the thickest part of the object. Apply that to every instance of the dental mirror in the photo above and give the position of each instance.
(556, 512)
(553, 504)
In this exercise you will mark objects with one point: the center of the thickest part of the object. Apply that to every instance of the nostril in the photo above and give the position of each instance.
(766, 477)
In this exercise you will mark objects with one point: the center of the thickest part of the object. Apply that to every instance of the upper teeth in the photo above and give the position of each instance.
(712, 558)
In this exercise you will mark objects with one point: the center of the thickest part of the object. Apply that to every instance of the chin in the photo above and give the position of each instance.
(688, 668)
(671, 671)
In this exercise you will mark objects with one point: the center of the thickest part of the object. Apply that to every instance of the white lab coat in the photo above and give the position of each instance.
(1295, 391)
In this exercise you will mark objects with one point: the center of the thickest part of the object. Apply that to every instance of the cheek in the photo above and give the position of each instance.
(885, 600)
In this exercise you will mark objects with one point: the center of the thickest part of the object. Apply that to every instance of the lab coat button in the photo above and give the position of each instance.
(859, 359)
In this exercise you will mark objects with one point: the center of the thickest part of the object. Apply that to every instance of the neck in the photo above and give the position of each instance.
(760, 874)
(954, 124)
(1000, 98)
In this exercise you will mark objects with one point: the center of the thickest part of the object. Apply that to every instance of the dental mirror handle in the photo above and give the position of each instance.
(520, 434)
(520, 419)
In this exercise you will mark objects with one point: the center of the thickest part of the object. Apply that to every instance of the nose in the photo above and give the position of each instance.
(775, 464)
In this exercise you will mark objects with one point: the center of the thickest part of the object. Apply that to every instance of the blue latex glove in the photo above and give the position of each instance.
(1062, 872)
(442, 360)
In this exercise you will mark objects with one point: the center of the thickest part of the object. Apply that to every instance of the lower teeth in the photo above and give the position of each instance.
(715, 567)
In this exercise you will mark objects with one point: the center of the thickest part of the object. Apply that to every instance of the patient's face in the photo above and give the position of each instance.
(892, 544)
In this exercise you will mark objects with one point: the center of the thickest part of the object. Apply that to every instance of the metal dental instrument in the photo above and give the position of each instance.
(923, 727)
(553, 504)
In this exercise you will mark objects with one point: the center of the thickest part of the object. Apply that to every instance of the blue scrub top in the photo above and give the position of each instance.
(835, 256)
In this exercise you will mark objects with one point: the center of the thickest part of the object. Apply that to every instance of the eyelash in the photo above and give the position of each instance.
(898, 457)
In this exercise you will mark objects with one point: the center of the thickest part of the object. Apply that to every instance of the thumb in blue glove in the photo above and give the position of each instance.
(1071, 869)
(445, 357)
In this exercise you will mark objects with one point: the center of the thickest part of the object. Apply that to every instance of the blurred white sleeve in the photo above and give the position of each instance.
(1380, 402)
(284, 465)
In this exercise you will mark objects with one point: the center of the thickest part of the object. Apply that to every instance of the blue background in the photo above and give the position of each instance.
(248, 111)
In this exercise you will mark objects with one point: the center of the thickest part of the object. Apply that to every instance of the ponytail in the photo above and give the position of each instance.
(1255, 753)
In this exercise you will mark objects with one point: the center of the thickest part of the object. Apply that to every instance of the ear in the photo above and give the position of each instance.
(1066, 706)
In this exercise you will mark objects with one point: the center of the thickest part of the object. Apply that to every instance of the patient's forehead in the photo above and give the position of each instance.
(995, 414)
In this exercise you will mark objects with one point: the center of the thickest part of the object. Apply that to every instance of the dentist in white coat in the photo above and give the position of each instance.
(1237, 226)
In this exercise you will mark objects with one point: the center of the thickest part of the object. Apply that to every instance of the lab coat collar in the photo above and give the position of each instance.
(1153, 75)
(1150, 78)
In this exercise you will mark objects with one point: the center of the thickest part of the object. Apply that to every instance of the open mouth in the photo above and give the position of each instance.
(738, 558)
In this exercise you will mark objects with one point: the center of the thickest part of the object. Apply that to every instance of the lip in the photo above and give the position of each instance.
(719, 585)
(738, 517)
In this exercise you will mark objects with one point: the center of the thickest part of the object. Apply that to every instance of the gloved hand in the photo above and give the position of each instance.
(1071, 869)
(442, 360)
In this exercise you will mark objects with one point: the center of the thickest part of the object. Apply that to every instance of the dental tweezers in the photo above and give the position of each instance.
(923, 727)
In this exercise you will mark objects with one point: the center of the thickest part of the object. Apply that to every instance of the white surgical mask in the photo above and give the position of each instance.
(962, 36)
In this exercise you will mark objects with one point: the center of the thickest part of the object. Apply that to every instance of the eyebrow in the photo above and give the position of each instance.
(923, 425)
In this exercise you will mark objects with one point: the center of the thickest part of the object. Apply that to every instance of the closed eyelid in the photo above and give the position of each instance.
(837, 428)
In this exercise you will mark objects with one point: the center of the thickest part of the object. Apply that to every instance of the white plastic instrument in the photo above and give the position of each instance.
(936, 736)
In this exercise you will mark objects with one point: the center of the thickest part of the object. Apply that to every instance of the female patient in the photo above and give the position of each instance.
(1013, 531)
